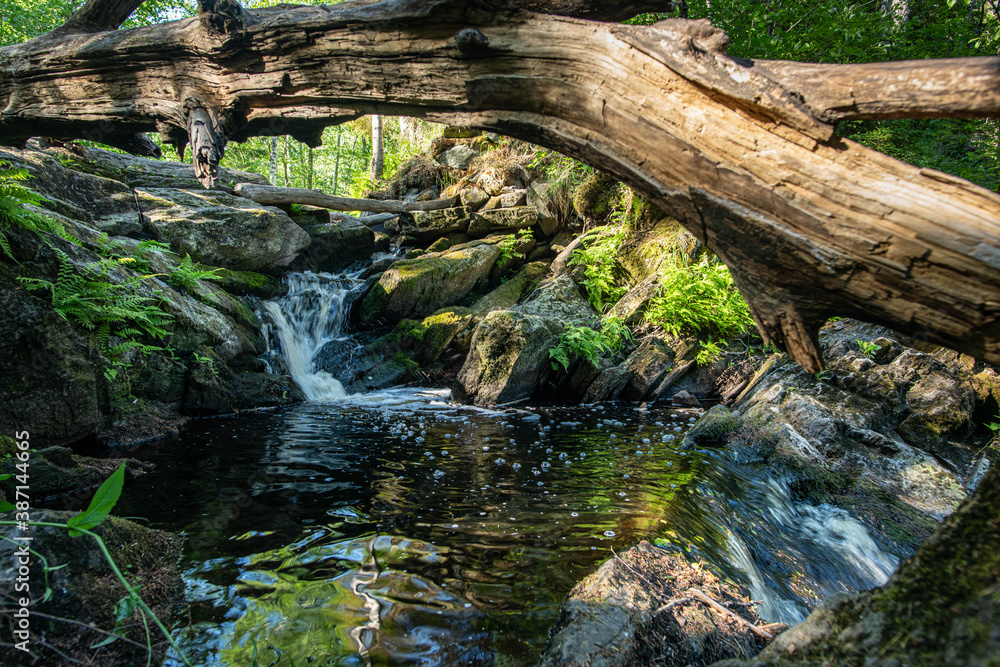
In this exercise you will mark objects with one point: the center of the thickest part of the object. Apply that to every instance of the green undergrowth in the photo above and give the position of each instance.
(113, 309)
(699, 298)
(583, 342)
(14, 199)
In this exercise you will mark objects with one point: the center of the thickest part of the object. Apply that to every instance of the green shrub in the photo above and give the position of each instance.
(603, 277)
(699, 299)
(577, 342)
(90, 299)
(13, 198)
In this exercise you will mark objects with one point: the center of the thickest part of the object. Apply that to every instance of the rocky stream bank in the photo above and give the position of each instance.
(476, 297)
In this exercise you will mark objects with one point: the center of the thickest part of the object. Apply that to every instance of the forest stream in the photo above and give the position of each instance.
(396, 528)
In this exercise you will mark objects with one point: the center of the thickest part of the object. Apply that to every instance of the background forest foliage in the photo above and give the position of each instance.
(805, 30)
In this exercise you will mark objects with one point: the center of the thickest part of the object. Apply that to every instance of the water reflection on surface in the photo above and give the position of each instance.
(394, 529)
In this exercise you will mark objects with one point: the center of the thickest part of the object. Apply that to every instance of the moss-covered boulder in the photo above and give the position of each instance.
(219, 229)
(52, 379)
(509, 352)
(334, 246)
(483, 222)
(418, 287)
(595, 199)
(429, 225)
(85, 591)
(714, 427)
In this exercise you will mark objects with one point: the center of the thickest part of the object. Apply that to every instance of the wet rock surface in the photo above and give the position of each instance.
(640, 608)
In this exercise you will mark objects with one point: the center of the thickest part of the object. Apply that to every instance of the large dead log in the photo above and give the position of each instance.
(743, 153)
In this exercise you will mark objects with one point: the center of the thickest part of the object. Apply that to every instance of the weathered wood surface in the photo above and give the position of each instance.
(276, 196)
(742, 153)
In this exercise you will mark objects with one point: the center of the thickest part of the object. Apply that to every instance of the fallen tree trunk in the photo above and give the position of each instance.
(271, 195)
(742, 153)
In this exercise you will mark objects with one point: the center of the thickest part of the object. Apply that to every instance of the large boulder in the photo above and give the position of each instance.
(335, 245)
(458, 157)
(510, 348)
(417, 287)
(502, 220)
(219, 229)
(52, 379)
(636, 377)
(427, 225)
(617, 607)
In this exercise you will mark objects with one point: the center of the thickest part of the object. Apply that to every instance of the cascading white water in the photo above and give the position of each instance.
(311, 315)
(833, 542)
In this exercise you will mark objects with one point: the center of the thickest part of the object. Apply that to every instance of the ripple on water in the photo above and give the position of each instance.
(322, 532)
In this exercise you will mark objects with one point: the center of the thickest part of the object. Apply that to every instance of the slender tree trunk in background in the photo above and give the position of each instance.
(378, 153)
(336, 164)
(898, 10)
(273, 171)
(309, 171)
(407, 132)
(288, 182)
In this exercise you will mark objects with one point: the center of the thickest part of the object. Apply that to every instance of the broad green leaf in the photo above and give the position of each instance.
(5, 506)
(4, 478)
(102, 503)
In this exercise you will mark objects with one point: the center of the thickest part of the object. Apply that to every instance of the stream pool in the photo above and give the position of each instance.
(395, 529)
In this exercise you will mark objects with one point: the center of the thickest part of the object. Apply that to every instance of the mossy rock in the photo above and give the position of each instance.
(595, 199)
(431, 336)
(85, 589)
(415, 288)
(250, 283)
(714, 427)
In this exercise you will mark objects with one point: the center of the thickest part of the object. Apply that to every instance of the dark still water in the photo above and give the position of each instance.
(394, 529)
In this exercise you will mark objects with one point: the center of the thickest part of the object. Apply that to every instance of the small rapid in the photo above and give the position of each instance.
(298, 325)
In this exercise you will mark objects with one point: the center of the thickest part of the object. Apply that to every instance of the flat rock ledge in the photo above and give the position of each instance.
(648, 606)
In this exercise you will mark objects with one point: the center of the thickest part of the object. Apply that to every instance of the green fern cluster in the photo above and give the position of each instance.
(602, 274)
(700, 299)
(136, 257)
(583, 342)
(13, 198)
(105, 308)
(186, 276)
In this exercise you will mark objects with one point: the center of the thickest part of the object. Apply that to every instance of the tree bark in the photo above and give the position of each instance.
(742, 153)
(272, 171)
(378, 150)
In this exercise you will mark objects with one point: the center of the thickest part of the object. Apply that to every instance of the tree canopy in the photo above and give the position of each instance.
(743, 151)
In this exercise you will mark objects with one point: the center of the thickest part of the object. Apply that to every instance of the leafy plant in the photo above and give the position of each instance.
(186, 276)
(107, 308)
(601, 271)
(578, 341)
(868, 348)
(616, 333)
(698, 299)
(101, 504)
(13, 199)
(709, 352)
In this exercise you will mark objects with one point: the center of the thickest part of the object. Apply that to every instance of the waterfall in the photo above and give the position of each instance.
(298, 325)
(831, 546)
